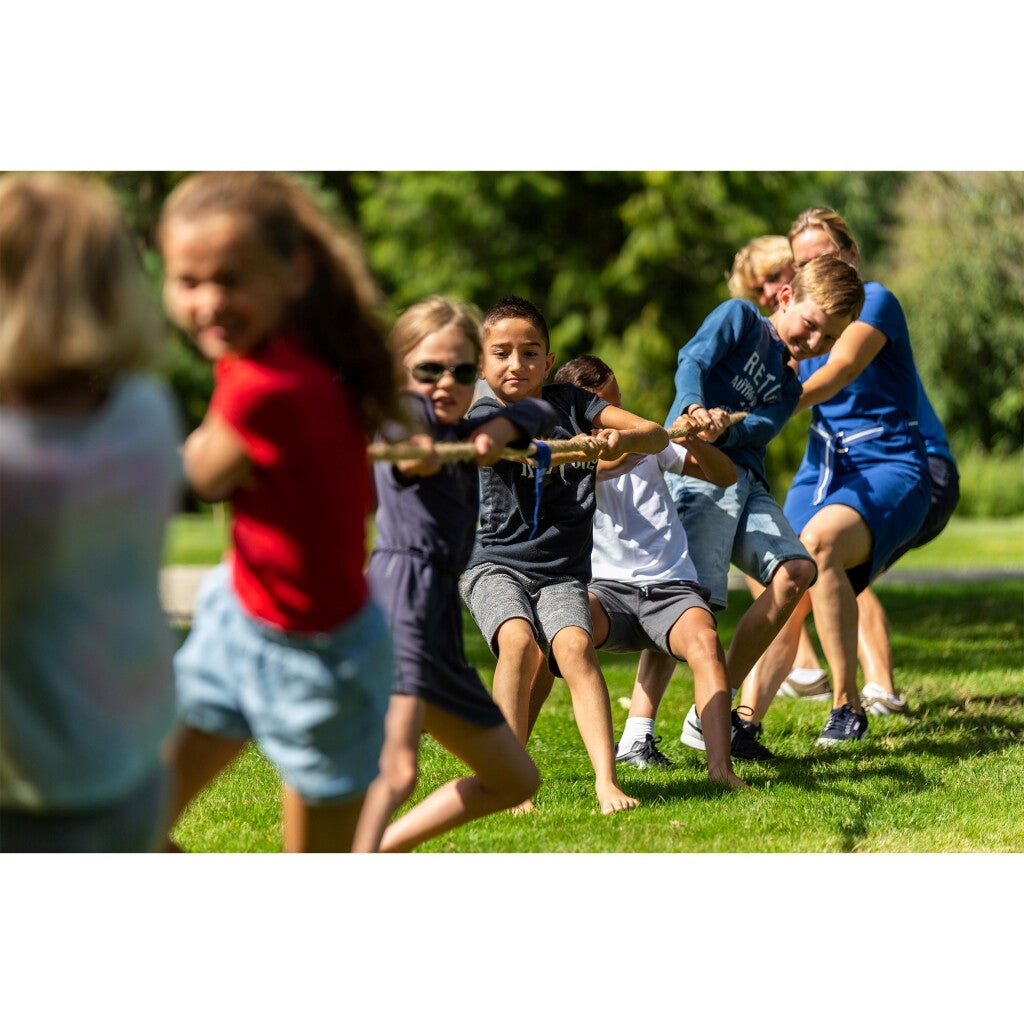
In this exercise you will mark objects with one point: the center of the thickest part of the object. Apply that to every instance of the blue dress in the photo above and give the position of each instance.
(425, 532)
(864, 448)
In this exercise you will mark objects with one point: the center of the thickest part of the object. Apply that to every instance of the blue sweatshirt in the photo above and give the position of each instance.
(737, 362)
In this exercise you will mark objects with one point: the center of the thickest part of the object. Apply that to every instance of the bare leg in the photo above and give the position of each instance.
(654, 672)
(695, 639)
(504, 777)
(319, 828)
(873, 641)
(765, 617)
(575, 654)
(838, 538)
(806, 656)
(519, 656)
(399, 765)
(543, 681)
(761, 686)
(195, 758)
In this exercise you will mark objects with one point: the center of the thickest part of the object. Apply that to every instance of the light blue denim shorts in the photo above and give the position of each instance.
(742, 524)
(315, 703)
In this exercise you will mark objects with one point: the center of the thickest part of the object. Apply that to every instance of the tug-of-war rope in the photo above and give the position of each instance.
(462, 451)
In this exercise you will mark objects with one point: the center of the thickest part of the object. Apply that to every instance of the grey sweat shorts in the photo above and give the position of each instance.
(640, 618)
(496, 593)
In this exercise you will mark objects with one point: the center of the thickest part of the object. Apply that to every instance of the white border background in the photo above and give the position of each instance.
(552, 85)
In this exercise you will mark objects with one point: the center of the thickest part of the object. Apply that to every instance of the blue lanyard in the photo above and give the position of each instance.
(542, 457)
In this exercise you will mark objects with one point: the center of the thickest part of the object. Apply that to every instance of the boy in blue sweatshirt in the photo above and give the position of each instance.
(741, 361)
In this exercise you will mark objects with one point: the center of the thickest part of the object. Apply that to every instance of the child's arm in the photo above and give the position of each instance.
(706, 462)
(856, 347)
(620, 431)
(215, 460)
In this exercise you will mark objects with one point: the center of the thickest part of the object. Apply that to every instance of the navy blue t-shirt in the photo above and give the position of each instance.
(434, 516)
(564, 538)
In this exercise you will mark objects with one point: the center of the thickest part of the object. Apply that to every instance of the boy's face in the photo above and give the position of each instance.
(516, 359)
(804, 327)
(610, 392)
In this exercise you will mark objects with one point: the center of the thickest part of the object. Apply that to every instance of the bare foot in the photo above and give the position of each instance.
(612, 800)
(728, 778)
(526, 807)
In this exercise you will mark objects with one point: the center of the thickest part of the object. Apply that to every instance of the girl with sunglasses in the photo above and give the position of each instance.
(426, 521)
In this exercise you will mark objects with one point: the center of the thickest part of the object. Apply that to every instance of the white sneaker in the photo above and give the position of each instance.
(804, 682)
(877, 701)
(692, 734)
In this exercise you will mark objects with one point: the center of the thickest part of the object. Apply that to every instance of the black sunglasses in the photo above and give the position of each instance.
(431, 373)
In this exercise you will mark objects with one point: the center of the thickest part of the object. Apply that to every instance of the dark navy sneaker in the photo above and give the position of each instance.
(744, 745)
(843, 724)
(644, 754)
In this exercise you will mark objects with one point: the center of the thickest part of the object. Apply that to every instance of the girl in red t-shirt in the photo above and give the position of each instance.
(286, 648)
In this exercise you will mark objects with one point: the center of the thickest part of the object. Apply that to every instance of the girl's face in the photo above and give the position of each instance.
(224, 286)
(443, 368)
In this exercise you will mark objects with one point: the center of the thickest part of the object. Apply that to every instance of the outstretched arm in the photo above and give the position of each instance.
(215, 459)
(856, 347)
(621, 431)
(706, 462)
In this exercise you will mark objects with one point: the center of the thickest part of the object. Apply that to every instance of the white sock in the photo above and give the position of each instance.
(805, 675)
(635, 729)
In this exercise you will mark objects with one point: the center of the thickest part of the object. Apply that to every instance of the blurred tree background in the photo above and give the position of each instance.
(627, 264)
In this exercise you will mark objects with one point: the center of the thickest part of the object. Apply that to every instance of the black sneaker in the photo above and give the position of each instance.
(843, 724)
(745, 746)
(644, 753)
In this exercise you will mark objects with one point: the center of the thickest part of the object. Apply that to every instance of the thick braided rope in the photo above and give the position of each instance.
(463, 451)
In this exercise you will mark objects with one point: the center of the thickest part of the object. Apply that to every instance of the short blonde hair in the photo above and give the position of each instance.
(74, 306)
(831, 283)
(763, 256)
(838, 231)
(428, 316)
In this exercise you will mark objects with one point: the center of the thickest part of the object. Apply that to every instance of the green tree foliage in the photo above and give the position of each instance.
(956, 262)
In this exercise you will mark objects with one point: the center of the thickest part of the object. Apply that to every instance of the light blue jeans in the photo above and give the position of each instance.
(741, 524)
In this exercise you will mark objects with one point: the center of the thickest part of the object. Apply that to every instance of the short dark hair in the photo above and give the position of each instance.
(514, 307)
(585, 372)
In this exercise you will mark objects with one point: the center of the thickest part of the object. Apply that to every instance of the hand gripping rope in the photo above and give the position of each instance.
(464, 451)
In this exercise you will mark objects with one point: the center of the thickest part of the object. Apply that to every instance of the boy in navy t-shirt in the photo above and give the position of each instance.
(526, 582)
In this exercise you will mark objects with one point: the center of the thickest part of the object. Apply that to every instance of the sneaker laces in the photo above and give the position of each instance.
(651, 750)
(742, 723)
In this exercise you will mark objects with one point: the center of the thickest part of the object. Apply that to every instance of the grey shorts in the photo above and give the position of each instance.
(496, 593)
(640, 618)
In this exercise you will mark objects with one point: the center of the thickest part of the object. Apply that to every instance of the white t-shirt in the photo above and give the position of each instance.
(638, 537)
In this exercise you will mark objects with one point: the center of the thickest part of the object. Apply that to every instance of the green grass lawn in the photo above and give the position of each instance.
(951, 779)
(199, 539)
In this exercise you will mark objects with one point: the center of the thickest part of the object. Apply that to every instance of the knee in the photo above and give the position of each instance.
(523, 784)
(793, 578)
(571, 642)
(517, 642)
(399, 772)
(705, 648)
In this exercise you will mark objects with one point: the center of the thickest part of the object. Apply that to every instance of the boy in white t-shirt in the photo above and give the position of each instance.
(644, 593)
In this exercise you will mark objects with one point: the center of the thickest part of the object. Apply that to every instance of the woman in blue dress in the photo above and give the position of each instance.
(863, 488)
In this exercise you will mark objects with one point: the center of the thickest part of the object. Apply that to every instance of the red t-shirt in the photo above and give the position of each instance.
(299, 532)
